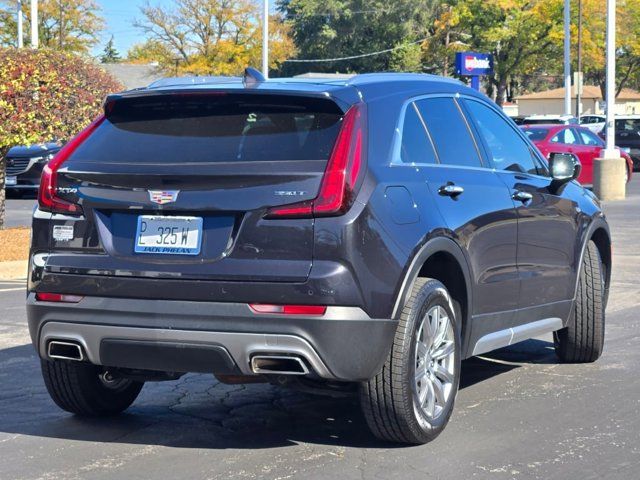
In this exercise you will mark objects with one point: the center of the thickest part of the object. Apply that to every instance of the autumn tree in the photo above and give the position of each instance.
(219, 37)
(66, 25)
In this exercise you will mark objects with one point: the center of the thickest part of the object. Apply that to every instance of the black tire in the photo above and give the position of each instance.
(77, 388)
(389, 400)
(583, 338)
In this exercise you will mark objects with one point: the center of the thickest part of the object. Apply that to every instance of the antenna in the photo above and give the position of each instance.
(252, 77)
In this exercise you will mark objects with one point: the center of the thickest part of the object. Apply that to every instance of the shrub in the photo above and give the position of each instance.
(46, 95)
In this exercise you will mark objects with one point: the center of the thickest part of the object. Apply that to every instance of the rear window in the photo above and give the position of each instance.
(536, 134)
(219, 127)
(628, 125)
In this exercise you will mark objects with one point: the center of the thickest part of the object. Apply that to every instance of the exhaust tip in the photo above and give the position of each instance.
(64, 350)
(278, 365)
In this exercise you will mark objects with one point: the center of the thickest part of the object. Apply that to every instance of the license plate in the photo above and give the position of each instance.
(10, 181)
(168, 235)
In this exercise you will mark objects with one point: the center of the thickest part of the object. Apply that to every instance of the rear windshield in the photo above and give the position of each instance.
(187, 128)
(536, 134)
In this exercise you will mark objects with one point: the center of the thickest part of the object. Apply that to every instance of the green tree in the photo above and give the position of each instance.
(325, 29)
(110, 54)
(66, 25)
(522, 35)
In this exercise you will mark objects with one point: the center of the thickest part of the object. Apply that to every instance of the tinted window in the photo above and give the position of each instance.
(536, 134)
(541, 121)
(449, 132)
(507, 149)
(415, 146)
(629, 125)
(214, 128)
(589, 138)
(566, 137)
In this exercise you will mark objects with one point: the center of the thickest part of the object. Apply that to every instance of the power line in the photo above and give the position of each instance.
(353, 57)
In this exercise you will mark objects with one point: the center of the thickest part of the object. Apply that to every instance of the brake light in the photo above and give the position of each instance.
(57, 297)
(48, 199)
(288, 309)
(340, 180)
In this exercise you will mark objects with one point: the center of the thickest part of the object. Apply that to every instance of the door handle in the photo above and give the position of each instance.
(523, 197)
(450, 190)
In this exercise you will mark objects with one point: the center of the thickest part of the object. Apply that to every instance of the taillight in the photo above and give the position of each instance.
(340, 180)
(288, 309)
(57, 297)
(48, 199)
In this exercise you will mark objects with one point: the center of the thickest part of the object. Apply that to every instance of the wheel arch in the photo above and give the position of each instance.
(442, 259)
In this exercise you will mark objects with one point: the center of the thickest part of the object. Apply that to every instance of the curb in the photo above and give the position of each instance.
(13, 270)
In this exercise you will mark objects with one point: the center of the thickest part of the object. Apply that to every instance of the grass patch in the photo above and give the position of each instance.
(14, 244)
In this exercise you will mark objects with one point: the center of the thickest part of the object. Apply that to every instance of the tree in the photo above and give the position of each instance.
(522, 35)
(67, 25)
(110, 54)
(324, 29)
(219, 37)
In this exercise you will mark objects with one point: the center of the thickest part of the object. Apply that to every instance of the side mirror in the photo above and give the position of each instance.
(564, 167)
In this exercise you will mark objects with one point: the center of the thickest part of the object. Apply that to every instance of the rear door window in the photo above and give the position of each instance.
(416, 146)
(215, 127)
(449, 131)
(565, 137)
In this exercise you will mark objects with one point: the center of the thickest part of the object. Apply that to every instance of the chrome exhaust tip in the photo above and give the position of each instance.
(65, 350)
(278, 365)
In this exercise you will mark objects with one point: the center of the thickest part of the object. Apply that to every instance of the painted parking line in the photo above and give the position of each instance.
(11, 289)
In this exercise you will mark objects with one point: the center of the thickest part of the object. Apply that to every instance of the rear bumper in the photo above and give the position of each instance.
(344, 344)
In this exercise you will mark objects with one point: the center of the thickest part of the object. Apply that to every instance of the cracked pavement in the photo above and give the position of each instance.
(519, 414)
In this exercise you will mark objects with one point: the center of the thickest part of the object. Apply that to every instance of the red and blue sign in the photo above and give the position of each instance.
(473, 63)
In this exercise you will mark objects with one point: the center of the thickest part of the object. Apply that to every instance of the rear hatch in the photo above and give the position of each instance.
(177, 185)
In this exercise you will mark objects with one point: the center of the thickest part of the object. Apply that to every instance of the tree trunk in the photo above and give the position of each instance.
(500, 91)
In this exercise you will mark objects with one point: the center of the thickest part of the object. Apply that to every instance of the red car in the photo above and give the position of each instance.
(580, 141)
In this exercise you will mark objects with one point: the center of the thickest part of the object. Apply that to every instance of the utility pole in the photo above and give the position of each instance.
(265, 38)
(609, 171)
(19, 21)
(578, 83)
(34, 24)
(567, 57)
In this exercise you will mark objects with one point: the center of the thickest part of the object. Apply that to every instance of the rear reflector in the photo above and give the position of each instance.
(57, 297)
(288, 309)
(341, 176)
(48, 199)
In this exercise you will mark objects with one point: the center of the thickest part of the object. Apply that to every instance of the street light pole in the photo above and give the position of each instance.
(265, 38)
(578, 82)
(609, 171)
(19, 20)
(567, 57)
(34, 23)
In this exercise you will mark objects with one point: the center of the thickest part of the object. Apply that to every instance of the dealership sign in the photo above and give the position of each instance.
(474, 64)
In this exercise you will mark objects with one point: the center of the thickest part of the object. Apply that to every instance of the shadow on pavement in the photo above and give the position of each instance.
(199, 412)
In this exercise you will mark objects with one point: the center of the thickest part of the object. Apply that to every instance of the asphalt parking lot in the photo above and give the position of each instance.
(519, 414)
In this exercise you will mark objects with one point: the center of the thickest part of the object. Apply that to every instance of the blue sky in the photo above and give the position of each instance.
(119, 15)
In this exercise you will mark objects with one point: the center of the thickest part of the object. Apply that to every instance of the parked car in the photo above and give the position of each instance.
(549, 120)
(580, 141)
(24, 165)
(595, 123)
(627, 128)
(356, 234)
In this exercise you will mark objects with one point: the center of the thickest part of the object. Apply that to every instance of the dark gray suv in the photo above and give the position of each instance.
(360, 235)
